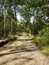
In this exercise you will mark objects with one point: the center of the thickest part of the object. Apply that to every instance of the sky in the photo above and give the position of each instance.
(18, 16)
(32, 19)
(0, 6)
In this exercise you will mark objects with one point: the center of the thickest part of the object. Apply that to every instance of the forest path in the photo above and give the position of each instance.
(22, 52)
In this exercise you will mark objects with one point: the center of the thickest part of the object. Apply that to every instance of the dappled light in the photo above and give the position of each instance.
(24, 32)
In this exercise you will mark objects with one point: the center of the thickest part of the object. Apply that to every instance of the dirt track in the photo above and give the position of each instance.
(22, 52)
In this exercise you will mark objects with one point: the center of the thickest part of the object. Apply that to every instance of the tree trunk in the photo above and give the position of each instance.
(4, 18)
(4, 26)
(11, 26)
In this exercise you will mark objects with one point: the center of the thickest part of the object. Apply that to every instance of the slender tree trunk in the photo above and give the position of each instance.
(11, 26)
(15, 17)
(4, 18)
(4, 14)
(4, 26)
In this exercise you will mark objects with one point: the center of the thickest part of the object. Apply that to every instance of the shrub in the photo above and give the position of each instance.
(42, 39)
(12, 37)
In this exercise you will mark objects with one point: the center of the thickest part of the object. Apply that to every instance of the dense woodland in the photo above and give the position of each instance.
(39, 9)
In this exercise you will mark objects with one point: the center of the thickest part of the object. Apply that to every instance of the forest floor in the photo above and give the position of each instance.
(22, 52)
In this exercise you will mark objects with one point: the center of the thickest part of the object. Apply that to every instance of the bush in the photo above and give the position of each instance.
(45, 50)
(45, 34)
(42, 39)
(12, 37)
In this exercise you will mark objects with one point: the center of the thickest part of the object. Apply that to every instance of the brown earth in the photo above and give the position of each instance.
(22, 52)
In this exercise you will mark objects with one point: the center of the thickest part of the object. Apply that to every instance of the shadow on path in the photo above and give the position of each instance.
(26, 46)
(19, 50)
(24, 39)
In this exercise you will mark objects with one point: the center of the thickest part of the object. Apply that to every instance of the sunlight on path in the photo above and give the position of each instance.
(22, 52)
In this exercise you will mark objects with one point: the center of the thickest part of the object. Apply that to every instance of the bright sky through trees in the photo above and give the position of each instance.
(32, 19)
(18, 16)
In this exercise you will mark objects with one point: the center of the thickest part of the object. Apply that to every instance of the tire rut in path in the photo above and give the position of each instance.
(22, 52)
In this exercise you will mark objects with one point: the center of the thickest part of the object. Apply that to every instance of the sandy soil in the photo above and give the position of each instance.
(22, 52)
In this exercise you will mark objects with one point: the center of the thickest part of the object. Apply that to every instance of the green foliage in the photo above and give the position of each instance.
(27, 29)
(40, 26)
(45, 50)
(12, 37)
(42, 40)
(37, 26)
